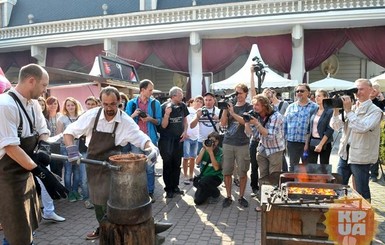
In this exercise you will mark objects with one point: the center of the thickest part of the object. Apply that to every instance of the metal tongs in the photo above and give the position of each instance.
(88, 161)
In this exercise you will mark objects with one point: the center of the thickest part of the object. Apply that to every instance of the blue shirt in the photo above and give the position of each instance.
(297, 119)
(151, 128)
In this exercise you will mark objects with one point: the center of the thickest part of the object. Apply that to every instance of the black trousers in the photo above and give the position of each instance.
(171, 151)
(207, 187)
(254, 165)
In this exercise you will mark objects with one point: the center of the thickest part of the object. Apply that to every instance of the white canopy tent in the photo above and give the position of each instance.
(331, 84)
(272, 79)
(380, 80)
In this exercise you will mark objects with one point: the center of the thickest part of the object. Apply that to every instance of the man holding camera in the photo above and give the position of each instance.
(210, 159)
(236, 144)
(203, 116)
(147, 113)
(172, 134)
(266, 125)
(360, 140)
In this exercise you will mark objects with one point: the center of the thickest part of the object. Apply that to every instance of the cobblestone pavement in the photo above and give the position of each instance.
(205, 224)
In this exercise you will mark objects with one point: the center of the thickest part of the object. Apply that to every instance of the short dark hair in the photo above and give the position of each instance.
(214, 135)
(144, 84)
(110, 90)
(31, 70)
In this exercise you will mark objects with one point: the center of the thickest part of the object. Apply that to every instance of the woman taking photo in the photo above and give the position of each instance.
(320, 134)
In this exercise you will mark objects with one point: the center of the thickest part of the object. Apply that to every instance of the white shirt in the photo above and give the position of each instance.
(192, 133)
(10, 120)
(205, 126)
(126, 132)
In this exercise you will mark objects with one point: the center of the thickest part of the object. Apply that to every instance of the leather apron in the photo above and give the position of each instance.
(101, 146)
(19, 204)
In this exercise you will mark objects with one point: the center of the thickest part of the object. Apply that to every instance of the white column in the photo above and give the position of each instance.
(39, 53)
(110, 46)
(298, 60)
(195, 64)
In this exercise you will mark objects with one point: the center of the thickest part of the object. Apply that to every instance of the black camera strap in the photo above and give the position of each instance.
(211, 121)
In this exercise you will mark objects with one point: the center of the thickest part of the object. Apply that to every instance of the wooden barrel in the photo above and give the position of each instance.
(129, 202)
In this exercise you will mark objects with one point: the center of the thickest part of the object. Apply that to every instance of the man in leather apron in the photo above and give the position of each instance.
(107, 129)
(22, 125)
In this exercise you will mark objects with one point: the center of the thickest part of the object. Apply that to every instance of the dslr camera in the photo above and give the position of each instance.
(208, 142)
(142, 114)
(205, 112)
(224, 101)
(247, 115)
(336, 101)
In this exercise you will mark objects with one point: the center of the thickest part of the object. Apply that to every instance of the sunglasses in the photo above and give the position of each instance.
(300, 91)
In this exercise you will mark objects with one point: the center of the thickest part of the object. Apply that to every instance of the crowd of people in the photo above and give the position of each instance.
(221, 143)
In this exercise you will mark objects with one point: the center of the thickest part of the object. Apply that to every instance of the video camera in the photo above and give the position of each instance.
(223, 103)
(258, 66)
(247, 115)
(336, 101)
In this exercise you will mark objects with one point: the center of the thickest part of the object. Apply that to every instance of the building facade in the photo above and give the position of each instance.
(205, 41)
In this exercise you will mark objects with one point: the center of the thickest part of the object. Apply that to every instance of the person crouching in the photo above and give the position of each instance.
(207, 182)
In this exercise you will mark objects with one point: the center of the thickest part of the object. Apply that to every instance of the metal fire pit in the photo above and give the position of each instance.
(293, 218)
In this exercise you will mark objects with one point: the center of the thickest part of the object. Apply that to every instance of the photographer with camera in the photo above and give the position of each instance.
(236, 145)
(267, 125)
(206, 118)
(172, 134)
(210, 159)
(360, 140)
(147, 113)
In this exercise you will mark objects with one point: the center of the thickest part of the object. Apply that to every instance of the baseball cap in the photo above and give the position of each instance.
(209, 93)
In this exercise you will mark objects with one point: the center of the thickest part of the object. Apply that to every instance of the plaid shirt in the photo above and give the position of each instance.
(297, 119)
(274, 141)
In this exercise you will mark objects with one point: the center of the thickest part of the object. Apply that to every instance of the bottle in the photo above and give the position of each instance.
(304, 157)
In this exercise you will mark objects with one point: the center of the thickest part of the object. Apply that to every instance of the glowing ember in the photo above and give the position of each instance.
(311, 191)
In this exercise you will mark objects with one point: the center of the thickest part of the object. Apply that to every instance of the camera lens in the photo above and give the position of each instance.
(208, 142)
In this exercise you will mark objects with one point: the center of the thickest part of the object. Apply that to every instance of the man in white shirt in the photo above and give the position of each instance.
(107, 130)
(360, 140)
(201, 117)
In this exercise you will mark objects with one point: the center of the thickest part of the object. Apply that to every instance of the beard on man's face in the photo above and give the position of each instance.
(110, 112)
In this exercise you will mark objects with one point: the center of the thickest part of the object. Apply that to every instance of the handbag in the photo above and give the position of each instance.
(315, 141)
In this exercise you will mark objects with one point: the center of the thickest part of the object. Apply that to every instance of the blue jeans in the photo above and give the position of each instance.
(84, 182)
(361, 178)
(343, 169)
(150, 171)
(190, 148)
(71, 172)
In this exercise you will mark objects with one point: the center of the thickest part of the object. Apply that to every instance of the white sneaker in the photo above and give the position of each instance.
(54, 217)
(186, 181)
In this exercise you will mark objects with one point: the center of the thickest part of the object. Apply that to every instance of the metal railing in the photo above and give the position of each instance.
(189, 14)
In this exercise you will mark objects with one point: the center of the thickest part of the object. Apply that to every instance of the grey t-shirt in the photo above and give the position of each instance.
(235, 134)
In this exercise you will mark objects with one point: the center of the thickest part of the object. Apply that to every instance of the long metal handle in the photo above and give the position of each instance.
(87, 161)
